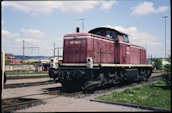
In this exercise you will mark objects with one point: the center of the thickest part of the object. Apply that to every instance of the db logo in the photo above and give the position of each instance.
(75, 37)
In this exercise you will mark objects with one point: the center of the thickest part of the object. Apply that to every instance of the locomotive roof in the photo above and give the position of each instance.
(111, 28)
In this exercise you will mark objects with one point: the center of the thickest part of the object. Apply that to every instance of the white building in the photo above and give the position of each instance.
(164, 62)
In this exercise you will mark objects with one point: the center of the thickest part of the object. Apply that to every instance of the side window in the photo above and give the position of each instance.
(98, 33)
(126, 38)
(108, 34)
(123, 38)
(114, 35)
(111, 34)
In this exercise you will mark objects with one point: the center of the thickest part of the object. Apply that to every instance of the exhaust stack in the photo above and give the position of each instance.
(77, 29)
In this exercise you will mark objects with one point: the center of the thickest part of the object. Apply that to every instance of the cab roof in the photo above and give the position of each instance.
(108, 28)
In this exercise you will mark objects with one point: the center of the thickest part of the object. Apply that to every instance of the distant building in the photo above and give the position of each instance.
(149, 60)
(9, 56)
(164, 62)
(57, 58)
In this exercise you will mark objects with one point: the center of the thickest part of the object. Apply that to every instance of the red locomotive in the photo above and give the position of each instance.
(102, 56)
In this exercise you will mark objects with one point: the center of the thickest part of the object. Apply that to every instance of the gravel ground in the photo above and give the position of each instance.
(58, 104)
(67, 104)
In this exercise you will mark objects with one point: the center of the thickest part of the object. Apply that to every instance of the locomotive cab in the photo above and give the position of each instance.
(121, 48)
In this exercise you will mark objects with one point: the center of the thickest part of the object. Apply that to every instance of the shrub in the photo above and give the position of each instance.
(157, 64)
(7, 61)
(167, 68)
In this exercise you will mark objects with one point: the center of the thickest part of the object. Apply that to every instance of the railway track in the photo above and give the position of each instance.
(19, 103)
(26, 77)
(18, 85)
(16, 103)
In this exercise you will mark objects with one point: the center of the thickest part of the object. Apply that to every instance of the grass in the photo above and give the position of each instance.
(27, 73)
(153, 94)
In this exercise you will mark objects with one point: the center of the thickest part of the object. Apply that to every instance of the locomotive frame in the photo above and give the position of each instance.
(80, 76)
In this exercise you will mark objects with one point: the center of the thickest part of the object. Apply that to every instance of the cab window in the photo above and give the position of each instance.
(114, 35)
(111, 34)
(108, 34)
(98, 33)
(125, 39)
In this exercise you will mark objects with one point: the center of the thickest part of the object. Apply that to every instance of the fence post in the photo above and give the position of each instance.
(3, 69)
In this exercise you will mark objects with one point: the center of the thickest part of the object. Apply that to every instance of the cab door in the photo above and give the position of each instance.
(125, 50)
(124, 55)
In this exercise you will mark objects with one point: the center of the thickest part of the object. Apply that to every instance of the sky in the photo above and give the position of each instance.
(43, 23)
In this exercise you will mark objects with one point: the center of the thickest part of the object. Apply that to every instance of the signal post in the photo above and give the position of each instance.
(2, 70)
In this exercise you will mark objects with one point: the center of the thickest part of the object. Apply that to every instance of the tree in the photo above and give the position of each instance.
(7, 61)
(168, 70)
(157, 64)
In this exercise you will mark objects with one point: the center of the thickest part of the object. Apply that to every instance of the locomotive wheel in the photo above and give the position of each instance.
(122, 75)
(70, 86)
(143, 75)
(148, 72)
(90, 86)
(89, 90)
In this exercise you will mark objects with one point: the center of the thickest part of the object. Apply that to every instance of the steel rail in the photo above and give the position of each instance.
(26, 77)
(21, 105)
(18, 85)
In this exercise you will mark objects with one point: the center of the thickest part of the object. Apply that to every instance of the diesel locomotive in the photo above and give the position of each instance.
(102, 56)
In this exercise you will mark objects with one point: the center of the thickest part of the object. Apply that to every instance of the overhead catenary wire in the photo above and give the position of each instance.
(28, 48)
(82, 19)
